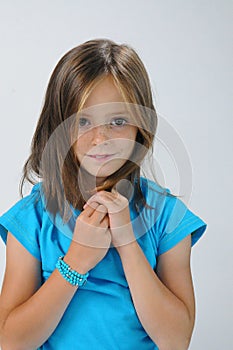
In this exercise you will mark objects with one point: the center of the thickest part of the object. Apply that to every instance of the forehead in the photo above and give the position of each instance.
(105, 109)
(104, 91)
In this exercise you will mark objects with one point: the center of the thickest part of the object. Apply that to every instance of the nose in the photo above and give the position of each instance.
(100, 134)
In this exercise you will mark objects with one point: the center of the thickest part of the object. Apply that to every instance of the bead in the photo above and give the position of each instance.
(72, 276)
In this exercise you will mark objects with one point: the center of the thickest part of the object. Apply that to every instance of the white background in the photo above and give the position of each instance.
(187, 51)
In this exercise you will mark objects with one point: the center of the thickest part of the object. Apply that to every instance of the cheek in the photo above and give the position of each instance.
(132, 134)
(81, 143)
(79, 149)
(129, 138)
(126, 148)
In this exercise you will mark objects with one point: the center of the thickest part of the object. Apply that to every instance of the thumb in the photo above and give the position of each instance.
(113, 190)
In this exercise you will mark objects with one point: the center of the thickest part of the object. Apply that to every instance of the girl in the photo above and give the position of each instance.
(97, 256)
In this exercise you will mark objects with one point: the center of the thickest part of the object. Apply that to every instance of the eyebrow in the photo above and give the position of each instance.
(108, 114)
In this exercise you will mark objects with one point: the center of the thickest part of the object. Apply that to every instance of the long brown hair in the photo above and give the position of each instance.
(70, 84)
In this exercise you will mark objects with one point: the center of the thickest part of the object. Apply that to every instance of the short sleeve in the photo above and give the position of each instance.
(177, 222)
(23, 220)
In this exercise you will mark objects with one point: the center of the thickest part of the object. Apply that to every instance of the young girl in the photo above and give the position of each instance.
(97, 256)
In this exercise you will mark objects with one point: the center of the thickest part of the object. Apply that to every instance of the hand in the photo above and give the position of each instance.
(119, 215)
(91, 239)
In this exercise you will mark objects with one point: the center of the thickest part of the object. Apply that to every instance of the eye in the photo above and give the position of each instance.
(119, 121)
(83, 122)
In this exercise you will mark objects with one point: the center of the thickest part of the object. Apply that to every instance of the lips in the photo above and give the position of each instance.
(101, 157)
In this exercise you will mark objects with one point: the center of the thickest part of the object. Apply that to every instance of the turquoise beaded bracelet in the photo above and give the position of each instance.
(72, 276)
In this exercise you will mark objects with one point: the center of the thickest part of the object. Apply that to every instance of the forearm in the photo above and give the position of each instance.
(164, 317)
(30, 324)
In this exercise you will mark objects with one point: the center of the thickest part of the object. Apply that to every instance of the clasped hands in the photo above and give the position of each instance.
(115, 208)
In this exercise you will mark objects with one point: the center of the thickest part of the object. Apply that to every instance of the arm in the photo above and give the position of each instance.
(31, 312)
(28, 313)
(164, 302)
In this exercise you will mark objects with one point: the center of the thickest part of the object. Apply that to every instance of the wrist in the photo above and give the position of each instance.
(71, 275)
(75, 260)
(122, 236)
(127, 250)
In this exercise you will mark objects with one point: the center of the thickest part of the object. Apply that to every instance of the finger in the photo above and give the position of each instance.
(103, 196)
(90, 208)
(99, 213)
(113, 205)
(105, 222)
(100, 200)
(94, 207)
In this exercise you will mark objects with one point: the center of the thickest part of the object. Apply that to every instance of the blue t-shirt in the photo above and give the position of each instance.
(101, 314)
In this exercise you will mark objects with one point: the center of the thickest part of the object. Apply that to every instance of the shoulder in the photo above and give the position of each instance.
(155, 195)
(151, 186)
(31, 203)
(24, 220)
(173, 220)
(161, 198)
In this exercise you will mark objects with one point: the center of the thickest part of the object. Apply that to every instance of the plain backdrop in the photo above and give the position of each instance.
(186, 48)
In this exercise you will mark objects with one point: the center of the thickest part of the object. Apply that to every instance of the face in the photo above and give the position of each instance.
(106, 135)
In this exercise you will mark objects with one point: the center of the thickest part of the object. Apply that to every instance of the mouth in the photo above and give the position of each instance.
(101, 157)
